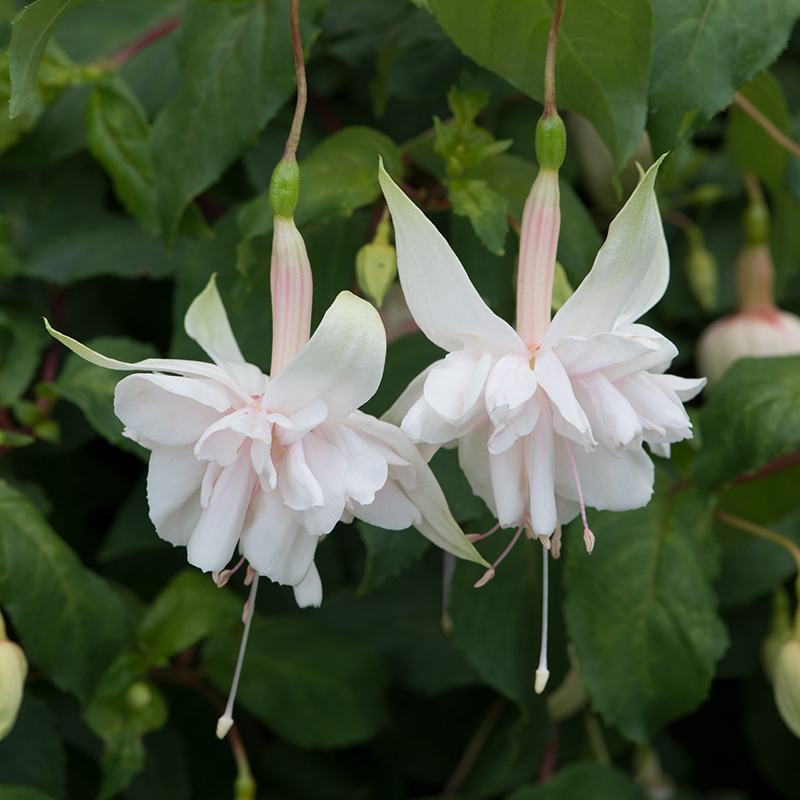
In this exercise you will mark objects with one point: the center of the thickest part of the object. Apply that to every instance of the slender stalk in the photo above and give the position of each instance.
(150, 37)
(290, 151)
(763, 533)
(753, 189)
(550, 61)
(767, 125)
(596, 739)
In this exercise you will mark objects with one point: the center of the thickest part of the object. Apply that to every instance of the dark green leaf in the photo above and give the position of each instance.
(388, 554)
(752, 415)
(71, 624)
(702, 52)
(642, 612)
(603, 56)
(22, 339)
(593, 781)
(323, 690)
(9, 792)
(485, 208)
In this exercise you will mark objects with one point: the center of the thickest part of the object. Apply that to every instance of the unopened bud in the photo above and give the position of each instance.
(551, 141)
(138, 696)
(702, 274)
(756, 223)
(13, 670)
(787, 684)
(376, 265)
(284, 188)
(780, 630)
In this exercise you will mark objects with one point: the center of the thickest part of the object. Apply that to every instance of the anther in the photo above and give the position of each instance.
(588, 536)
(491, 572)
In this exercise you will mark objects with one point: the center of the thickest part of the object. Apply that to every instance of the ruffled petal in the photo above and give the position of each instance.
(409, 396)
(473, 458)
(509, 487)
(298, 485)
(540, 463)
(390, 509)
(614, 422)
(629, 274)
(167, 409)
(568, 418)
(308, 593)
(440, 296)
(329, 467)
(454, 387)
(423, 424)
(342, 363)
(367, 469)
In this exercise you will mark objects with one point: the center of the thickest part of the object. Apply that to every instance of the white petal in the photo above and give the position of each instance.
(174, 478)
(568, 418)
(193, 369)
(342, 363)
(509, 484)
(167, 409)
(329, 467)
(662, 352)
(454, 386)
(581, 355)
(440, 296)
(517, 424)
(409, 396)
(274, 542)
(660, 409)
(214, 539)
(420, 486)
(309, 591)
(473, 458)
(630, 272)
(614, 422)
(367, 469)
(540, 462)
(207, 323)
(390, 509)
(423, 424)
(298, 486)
(685, 388)
(221, 441)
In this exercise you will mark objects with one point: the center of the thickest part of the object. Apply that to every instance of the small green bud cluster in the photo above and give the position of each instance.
(376, 264)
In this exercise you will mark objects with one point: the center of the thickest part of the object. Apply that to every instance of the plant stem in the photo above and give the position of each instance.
(767, 125)
(762, 532)
(145, 40)
(290, 151)
(596, 738)
(550, 61)
(474, 747)
(770, 468)
(753, 189)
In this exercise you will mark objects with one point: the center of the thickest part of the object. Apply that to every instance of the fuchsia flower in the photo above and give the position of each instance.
(551, 417)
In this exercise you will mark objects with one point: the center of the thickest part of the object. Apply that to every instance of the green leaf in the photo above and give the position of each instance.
(583, 780)
(603, 62)
(642, 612)
(388, 554)
(91, 388)
(30, 34)
(118, 136)
(323, 690)
(22, 339)
(702, 52)
(485, 208)
(188, 609)
(750, 147)
(237, 71)
(8, 792)
(71, 624)
(752, 416)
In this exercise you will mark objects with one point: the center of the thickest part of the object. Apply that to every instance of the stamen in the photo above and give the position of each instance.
(221, 578)
(588, 536)
(491, 572)
(476, 537)
(555, 542)
(225, 722)
(542, 673)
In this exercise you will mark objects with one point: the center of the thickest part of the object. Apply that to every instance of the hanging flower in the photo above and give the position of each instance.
(551, 417)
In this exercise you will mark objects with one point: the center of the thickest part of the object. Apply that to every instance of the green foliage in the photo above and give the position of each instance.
(584, 780)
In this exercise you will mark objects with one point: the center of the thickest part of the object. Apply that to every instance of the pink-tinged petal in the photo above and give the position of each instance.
(342, 363)
(308, 593)
(454, 387)
(540, 463)
(423, 424)
(440, 296)
(329, 467)
(174, 480)
(291, 291)
(510, 401)
(390, 509)
(516, 425)
(222, 441)
(509, 487)
(614, 422)
(611, 353)
(408, 397)
(568, 418)
(419, 485)
(290, 429)
(191, 369)
(686, 389)
(298, 486)
(659, 408)
(367, 468)
(274, 542)
(630, 272)
(167, 409)
(214, 539)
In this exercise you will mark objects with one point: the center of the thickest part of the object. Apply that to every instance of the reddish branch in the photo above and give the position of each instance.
(145, 40)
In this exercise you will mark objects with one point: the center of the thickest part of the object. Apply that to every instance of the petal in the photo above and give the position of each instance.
(207, 323)
(455, 385)
(192, 369)
(473, 458)
(581, 355)
(419, 485)
(517, 424)
(214, 539)
(423, 424)
(167, 409)
(658, 407)
(540, 462)
(274, 542)
(342, 363)
(659, 357)
(440, 296)
(308, 593)
(629, 274)
(367, 469)
(174, 478)
(329, 467)
(409, 396)
(685, 388)
(509, 487)
(298, 486)
(390, 509)
(614, 422)
(568, 417)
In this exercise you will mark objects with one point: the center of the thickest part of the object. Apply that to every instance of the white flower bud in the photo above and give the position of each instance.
(787, 684)
(13, 670)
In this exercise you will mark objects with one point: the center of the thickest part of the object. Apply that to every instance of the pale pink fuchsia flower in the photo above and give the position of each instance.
(758, 328)
(270, 464)
(550, 417)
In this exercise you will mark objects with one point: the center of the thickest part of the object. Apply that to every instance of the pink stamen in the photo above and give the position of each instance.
(476, 537)
(588, 536)
(221, 578)
(492, 571)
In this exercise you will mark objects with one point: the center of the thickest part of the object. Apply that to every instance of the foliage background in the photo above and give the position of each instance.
(144, 135)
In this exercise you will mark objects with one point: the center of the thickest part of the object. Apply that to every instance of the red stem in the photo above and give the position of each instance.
(145, 40)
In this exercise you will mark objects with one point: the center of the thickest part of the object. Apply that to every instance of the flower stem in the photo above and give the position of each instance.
(290, 151)
(763, 533)
(150, 37)
(767, 125)
(550, 61)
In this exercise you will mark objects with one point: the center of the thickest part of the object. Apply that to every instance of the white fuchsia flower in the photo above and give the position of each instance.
(550, 417)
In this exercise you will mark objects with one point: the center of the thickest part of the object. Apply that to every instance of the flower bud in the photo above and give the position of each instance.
(702, 274)
(284, 188)
(551, 141)
(780, 630)
(13, 670)
(376, 265)
(786, 678)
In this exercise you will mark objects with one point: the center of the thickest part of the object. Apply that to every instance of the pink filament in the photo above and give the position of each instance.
(490, 573)
(477, 537)
(588, 536)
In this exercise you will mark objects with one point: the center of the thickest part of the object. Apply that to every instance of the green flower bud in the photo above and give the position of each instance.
(138, 696)
(756, 223)
(551, 141)
(376, 265)
(13, 670)
(284, 188)
(780, 630)
(703, 274)
(787, 684)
